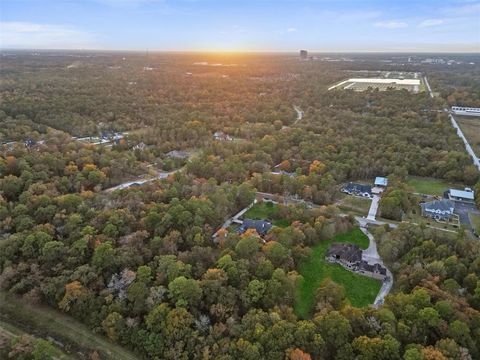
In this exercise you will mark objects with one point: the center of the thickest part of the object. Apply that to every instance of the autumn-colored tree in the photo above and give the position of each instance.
(298, 354)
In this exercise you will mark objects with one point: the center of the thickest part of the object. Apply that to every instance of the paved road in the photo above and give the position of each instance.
(428, 86)
(299, 114)
(372, 256)
(127, 184)
(364, 221)
(372, 213)
(463, 209)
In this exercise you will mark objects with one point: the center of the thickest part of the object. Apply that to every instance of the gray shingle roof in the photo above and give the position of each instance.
(442, 205)
(357, 188)
(261, 226)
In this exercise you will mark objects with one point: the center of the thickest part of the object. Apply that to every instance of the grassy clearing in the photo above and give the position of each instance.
(356, 204)
(429, 186)
(475, 221)
(360, 290)
(266, 211)
(42, 321)
(471, 129)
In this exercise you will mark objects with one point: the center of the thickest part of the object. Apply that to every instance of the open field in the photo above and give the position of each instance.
(266, 211)
(43, 321)
(360, 290)
(356, 204)
(430, 186)
(470, 126)
(475, 221)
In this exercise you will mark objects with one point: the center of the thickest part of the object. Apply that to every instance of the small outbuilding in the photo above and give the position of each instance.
(467, 195)
(381, 181)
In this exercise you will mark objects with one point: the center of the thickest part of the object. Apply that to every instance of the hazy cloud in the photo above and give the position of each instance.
(18, 34)
(431, 22)
(467, 9)
(291, 29)
(392, 24)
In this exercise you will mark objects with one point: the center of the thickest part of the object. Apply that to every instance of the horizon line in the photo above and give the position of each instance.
(209, 51)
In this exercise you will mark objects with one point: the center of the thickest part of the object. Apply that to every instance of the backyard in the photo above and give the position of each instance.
(266, 211)
(429, 186)
(356, 204)
(360, 290)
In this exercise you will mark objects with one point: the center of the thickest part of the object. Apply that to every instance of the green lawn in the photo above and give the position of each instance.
(360, 290)
(475, 220)
(266, 211)
(429, 186)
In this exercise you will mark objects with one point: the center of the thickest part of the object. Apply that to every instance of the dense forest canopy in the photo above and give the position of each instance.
(139, 265)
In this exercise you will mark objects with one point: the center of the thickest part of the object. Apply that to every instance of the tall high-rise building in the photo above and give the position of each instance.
(303, 54)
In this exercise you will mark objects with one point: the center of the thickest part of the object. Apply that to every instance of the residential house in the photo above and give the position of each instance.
(441, 210)
(357, 189)
(221, 136)
(140, 146)
(262, 227)
(376, 270)
(350, 257)
(178, 154)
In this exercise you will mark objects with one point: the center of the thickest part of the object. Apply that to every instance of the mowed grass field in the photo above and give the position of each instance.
(430, 186)
(360, 290)
(266, 211)
(475, 221)
(470, 126)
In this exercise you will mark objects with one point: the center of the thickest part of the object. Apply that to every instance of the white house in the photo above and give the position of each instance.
(438, 209)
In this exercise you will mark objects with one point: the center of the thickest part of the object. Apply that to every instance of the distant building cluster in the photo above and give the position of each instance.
(303, 54)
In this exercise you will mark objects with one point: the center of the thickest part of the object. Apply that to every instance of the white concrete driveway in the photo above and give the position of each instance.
(372, 213)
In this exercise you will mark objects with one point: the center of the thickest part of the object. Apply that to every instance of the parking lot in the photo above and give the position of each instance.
(463, 209)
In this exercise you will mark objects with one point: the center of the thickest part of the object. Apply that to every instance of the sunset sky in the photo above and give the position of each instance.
(234, 25)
